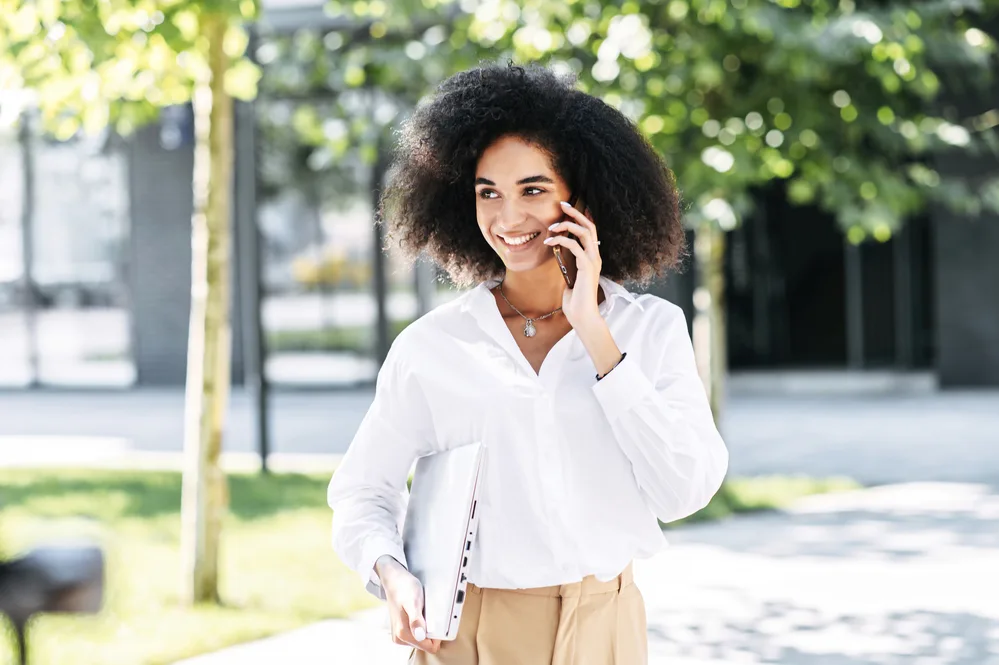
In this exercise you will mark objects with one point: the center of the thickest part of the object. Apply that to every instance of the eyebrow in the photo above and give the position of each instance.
(522, 181)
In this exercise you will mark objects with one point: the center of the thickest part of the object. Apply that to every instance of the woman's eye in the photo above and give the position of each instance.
(487, 194)
(533, 191)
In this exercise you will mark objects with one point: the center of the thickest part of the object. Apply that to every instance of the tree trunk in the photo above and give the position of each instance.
(709, 314)
(204, 488)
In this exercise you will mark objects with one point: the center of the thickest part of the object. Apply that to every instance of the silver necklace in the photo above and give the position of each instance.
(529, 329)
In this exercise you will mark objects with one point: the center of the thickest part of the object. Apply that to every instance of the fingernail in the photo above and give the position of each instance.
(549, 241)
(419, 633)
(552, 227)
(565, 203)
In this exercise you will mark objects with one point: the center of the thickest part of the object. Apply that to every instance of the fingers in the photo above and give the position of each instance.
(586, 237)
(401, 632)
(428, 645)
(583, 228)
(405, 600)
(570, 244)
(404, 626)
(418, 628)
(579, 216)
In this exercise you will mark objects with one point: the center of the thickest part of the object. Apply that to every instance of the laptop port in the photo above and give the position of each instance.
(461, 597)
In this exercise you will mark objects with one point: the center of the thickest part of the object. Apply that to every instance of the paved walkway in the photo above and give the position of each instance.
(901, 574)
(874, 438)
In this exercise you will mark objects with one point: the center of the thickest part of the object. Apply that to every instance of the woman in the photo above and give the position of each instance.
(586, 398)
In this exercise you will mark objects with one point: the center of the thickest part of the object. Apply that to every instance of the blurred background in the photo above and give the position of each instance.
(838, 164)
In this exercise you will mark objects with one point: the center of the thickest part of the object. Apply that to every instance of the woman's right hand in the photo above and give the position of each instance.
(404, 595)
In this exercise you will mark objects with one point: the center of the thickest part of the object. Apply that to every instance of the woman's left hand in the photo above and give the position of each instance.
(579, 304)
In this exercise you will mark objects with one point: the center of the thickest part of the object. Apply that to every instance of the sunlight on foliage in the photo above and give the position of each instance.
(115, 62)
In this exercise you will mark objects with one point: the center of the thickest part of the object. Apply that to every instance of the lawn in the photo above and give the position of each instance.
(278, 571)
(745, 495)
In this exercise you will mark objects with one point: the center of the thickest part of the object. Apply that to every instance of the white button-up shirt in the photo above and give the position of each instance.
(577, 470)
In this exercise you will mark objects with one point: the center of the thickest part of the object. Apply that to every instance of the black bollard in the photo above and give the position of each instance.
(52, 579)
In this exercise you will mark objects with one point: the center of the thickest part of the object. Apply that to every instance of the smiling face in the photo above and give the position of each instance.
(517, 195)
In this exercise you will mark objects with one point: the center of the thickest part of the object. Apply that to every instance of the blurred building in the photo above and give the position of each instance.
(95, 272)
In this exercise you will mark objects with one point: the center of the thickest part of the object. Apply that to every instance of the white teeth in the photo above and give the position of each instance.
(520, 240)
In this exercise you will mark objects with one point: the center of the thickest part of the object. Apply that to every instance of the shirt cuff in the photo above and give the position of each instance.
(622, 388)
(375, 549)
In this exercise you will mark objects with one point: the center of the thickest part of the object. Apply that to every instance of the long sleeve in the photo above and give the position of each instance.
(368, 490)
(664, 425)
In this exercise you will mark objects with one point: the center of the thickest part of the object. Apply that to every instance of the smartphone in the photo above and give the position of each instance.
(558, 249)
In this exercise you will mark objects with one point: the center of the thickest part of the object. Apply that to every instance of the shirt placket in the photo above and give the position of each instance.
(551, 458)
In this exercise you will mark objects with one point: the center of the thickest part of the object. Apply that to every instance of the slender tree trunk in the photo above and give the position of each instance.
(709, 314)
(204, 491)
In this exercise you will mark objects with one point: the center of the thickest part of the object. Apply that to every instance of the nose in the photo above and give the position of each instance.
(511, 214)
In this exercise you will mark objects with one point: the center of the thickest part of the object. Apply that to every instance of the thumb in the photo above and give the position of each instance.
(417, 624)
(418, 627)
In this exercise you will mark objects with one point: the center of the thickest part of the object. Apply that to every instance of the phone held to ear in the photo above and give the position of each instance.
(558, 249)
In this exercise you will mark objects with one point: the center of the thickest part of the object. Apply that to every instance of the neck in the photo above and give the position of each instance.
(536, 292)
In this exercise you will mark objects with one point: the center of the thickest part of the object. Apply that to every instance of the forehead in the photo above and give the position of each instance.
(511, 157)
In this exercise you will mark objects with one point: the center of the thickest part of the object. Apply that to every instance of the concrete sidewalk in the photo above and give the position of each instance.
(877, 438)
(899, 574)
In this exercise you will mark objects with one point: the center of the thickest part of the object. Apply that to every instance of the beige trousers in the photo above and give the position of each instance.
(585, 623)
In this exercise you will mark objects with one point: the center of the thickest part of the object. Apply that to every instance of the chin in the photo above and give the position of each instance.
(526, 264)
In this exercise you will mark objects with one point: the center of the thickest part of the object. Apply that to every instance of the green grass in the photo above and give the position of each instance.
(744, 495)
(277, 570)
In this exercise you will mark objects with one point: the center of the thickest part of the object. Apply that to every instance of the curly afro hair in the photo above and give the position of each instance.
(429, 198)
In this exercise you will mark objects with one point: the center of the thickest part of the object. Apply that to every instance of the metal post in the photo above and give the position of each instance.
(249, 269)
(379, 262)
(28, 245)
(21, 641)
(854, 305)
(904, 320)
(761, 277)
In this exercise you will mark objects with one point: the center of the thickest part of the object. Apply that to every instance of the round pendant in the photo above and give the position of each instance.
(529, 329)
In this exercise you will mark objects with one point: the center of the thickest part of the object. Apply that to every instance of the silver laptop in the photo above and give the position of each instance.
(439, 531)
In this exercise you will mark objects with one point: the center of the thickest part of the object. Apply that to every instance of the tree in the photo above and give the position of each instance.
(331, 98)
(346, 87)
(838, 100)
(116, 63)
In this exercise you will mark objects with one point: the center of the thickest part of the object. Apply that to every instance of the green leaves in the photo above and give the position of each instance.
(115, 61)
(241, 80)
(346, 90)
(841, 99)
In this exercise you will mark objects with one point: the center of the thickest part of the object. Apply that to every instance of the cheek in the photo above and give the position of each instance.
(484, 214)
(482, 220)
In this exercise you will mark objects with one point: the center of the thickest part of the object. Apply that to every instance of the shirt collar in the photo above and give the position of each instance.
(480, 296)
